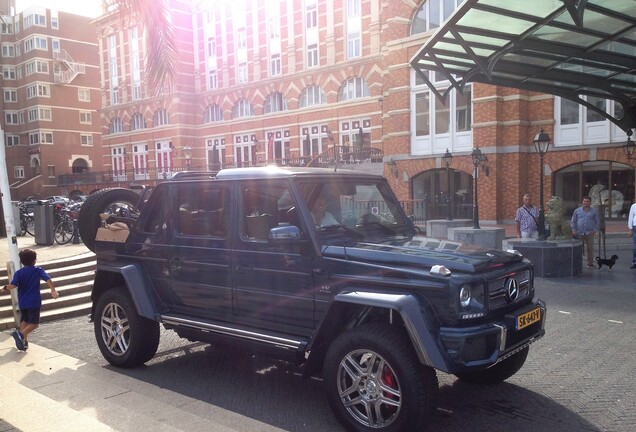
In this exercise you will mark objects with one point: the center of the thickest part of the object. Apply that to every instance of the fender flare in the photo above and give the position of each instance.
(424, 343)
(137, 286)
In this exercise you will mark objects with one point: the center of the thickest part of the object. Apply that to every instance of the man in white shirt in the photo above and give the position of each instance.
(631, 224)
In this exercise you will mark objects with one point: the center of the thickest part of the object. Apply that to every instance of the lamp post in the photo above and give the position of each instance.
(187, 154)
(448, 159)
(541, 143)
(478, 158)
(629, 146)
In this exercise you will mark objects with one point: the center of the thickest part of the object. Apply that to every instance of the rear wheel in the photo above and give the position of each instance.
(374, 381)
(497, 373)
(64, 231)
(110, 201)
(30, 225)
(125, 339)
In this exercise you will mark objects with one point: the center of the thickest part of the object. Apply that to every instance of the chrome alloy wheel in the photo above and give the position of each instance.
(369, 388)
(115, 329)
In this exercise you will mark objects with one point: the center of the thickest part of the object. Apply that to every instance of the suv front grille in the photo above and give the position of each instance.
(497, 290)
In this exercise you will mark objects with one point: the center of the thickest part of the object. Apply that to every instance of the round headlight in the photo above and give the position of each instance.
(464, 295)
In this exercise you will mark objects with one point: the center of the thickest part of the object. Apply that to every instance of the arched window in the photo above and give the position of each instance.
(160, 118)
(312, 95)
(137, 122)
(115, 126)
(213, 113)
(275, 102)
(432, 13)
(353, 88)
(242, 108)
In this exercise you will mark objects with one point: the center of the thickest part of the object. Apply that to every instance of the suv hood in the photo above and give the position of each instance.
(423, 252)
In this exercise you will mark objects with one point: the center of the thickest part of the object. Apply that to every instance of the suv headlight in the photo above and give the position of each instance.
(465, 295)
(471, 300)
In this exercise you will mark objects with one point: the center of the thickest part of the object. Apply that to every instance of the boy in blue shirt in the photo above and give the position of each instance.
(27, 280)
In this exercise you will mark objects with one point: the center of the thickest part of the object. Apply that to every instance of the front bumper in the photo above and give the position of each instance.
(484, 345)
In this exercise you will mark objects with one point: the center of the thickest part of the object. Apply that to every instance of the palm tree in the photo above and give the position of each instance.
(153, 15)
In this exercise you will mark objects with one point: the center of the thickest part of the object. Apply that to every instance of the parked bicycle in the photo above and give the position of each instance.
(65, 228)
(27, 221)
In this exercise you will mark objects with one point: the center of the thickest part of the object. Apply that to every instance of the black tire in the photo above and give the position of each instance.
(400, 397)
(30, 225)
(63, 232)
(499, 372)
(102, 201)
(21, 229)
(125, 339)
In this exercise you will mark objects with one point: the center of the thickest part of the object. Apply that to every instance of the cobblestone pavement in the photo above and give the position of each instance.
(580, 377)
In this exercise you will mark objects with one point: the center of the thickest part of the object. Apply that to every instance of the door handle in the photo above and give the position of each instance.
(176, 264)
(243, 269)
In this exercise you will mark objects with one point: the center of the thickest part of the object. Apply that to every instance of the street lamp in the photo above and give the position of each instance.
(629, 146)
(541, 143)
(478, 158)
(448, 159)
(187, 154)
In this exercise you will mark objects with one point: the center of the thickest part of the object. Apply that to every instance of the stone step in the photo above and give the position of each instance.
(73, 279)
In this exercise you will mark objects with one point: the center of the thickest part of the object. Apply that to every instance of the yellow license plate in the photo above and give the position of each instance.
(528, 318)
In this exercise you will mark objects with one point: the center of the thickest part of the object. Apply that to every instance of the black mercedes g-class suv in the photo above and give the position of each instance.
(321, 267)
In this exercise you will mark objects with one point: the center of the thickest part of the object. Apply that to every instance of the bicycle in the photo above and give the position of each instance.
(27, 221)
(64, 230)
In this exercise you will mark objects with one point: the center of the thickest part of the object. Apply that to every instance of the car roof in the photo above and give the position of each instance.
(276, 171)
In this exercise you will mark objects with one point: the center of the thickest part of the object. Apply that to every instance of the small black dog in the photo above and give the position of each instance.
(606, 261)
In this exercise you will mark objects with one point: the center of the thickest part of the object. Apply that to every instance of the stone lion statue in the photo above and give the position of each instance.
(559, 226)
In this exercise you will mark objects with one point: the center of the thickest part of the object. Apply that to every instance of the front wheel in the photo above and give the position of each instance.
(497, 373)
(374, 381)
(64, 231)
(125, 339)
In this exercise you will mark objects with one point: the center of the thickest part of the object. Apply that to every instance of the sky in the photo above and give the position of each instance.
(89, 8)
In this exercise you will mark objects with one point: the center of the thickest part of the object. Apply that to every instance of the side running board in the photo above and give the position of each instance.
(278, 341)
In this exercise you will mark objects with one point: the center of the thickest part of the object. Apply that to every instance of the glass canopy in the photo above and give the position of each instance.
(569, 48)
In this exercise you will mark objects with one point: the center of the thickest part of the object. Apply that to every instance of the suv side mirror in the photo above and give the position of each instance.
(284, 233)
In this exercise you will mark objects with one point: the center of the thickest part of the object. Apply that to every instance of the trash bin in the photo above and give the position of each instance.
(43, 223)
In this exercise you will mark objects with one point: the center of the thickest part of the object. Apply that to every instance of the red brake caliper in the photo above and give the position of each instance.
(389, 379)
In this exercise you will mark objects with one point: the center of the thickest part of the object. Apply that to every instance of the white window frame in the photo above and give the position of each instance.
(12, 140)
(86, 140)
(313, 58)
(275, 65)
(311, 96)
(18, 172)
(434, 142)
(9, 72)
(242, 72)
(11, 117)
(213, 114)
(85, 117)
(213, 80)
(161, 118)
(8, 50)
(83, 95)
(10, 95)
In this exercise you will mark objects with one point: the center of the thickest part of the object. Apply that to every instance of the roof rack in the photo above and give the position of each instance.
(194, 175)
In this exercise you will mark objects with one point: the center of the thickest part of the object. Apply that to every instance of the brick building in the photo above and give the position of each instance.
(319, 81)
(50, 82)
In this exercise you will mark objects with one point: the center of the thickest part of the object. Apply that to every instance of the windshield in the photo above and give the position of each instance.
(362, 210)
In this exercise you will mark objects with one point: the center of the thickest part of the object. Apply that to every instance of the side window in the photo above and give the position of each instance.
(156, 221)
(203, 210)
(264, 206)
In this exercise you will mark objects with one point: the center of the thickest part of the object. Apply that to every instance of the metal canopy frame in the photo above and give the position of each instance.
(570, 48)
